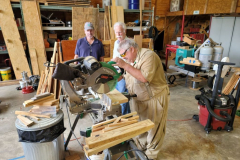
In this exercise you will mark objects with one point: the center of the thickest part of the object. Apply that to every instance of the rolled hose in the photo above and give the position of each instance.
(228, 117)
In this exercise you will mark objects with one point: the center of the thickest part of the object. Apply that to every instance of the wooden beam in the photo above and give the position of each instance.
(112, 120)
(31, 114)
(27, 122)
(9, 82)
(111, 138)
(12, 39)
(33, 26)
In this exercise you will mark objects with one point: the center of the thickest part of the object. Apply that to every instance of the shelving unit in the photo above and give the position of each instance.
(56, 28)
(4, 52)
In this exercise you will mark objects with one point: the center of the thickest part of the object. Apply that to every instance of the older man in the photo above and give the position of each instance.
(145, 78)
(120, 32)
(89, 45)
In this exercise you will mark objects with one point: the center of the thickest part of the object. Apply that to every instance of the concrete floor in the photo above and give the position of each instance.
(185, 139)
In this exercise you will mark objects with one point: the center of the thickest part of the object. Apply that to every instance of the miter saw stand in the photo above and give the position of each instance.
(89, 75)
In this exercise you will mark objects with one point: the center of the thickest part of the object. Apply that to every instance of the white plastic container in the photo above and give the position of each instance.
(105, 3)
(217, 52)
(123, 3)
(205, 55)
(23, 84)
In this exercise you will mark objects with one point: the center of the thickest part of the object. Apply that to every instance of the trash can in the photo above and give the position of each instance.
(44, 139)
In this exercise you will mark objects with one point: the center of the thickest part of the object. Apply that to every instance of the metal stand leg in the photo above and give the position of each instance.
(72, 129)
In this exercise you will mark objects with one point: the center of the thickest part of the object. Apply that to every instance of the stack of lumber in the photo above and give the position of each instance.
(115, 131)
(231, 83)
(47, 83)
(46, 99)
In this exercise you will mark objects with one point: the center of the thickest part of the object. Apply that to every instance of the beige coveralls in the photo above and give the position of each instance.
(149, 107)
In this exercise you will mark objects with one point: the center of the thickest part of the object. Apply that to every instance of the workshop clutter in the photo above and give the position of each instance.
(109, 133)
(46, 82)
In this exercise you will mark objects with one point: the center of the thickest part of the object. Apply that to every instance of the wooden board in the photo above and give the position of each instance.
(34, 61)
(138, 40)
(112, 120)
(40, 83)
(221, 6)
(50, 79)
(27, 122)
(31, 114)
(34, 34)
(111, 138)
(120, 14)
(80, 16)
(117, 97)
(12, 39)
(68, 49)
(9, 83)
(111, 47)
(114, 20)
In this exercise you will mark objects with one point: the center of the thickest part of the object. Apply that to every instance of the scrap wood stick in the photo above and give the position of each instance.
(122, 123)
(112, 120)
(35, 118)
(27, 122)
(31, 102)
(31, 114)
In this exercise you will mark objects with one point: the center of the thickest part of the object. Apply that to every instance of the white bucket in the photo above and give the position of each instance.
(22, 84)
(97, 157)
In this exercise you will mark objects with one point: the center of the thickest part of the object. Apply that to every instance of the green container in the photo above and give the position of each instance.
(183, 53)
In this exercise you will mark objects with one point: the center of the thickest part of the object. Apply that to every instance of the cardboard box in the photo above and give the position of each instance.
(183, 47)
(189, 40)
(45, 35)
(53, 36)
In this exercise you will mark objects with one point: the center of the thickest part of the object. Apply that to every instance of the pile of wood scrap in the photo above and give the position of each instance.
(44, 106)
(47, 83)
(45, 99)
(115, 131)
(233, 82)
(131, 24)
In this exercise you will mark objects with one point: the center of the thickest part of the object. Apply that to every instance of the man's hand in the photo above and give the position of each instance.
(119, 62)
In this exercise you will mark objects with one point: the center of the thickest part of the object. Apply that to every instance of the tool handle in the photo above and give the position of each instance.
(111, 62)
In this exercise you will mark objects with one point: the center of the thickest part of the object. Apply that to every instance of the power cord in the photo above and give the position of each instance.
(71, 126)
(133, 150)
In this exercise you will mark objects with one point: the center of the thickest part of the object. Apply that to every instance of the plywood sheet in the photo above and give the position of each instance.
(138, 40)
(33, 26)
(80, 16)
(68, 49)
(220, 6)
(12, 39)
(195, 5)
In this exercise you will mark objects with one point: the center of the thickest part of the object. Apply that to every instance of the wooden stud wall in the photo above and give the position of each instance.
(33, 26)
(12, 39)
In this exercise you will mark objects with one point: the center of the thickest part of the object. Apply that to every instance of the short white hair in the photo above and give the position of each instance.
(126, 44)
(123, 25)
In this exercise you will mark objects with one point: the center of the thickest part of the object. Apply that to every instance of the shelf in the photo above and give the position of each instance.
(3, 52)
(19, 28)
(70, 8)
(56, 28)
(144, 28)
(49, 49)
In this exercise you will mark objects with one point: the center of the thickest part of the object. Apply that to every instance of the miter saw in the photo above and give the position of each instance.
(99, 77)
(90, 74)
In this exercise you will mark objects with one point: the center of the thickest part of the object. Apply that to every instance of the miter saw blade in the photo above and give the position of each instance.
(104, 88)
(106, 79)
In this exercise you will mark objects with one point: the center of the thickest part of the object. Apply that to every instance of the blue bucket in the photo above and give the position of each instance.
(133, 5)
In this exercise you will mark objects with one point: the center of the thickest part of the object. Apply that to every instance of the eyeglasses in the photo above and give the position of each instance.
(124, 53)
